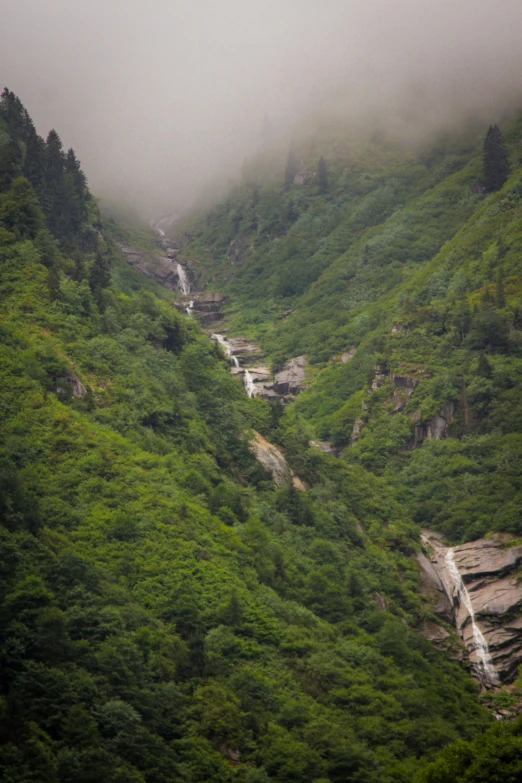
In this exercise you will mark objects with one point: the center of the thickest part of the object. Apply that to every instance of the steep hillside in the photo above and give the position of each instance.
(408, 268)
(167, 612)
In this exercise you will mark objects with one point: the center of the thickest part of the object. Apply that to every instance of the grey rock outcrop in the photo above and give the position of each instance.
(157, 267)
(246, 356)
(347, 356)
(489, 570)
(273, 460)
(326, 447)
(291, 379)
(433, 586)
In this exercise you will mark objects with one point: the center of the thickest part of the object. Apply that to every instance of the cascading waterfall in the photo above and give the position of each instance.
(226, 347)
(479, 642)
(247, 378)
(190, 306)
(249, 384)
(183, 279)
(224, 344)
(155, 227)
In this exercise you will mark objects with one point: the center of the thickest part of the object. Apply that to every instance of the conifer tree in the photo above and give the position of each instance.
(500, 296)
(99, 277)
(292, 167)
(496, 165)
(322, 175)
(75, 191)
(33, 167)
(54, 195)
(484, 368)
(10, 165)
(20, 211)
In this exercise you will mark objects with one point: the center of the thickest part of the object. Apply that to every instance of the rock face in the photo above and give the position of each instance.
(163, 269)
(347, 356)
(209, 303)
(273, 460)
(488, 569)
(326, 447)
(292, 377)
(246, 357)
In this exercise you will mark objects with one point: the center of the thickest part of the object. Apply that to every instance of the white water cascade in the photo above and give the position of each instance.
(226, 347)
(247, 378)
(190, 306)
(479, 642)
(183, 279)
(249, 384)
(155, 227)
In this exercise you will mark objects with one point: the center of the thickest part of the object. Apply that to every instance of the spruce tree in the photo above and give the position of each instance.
(496, 165)
(33, 167)
(99, 278)
(484, 368)
(322, 175)
(54, 196)
(10, 165)
(293, 165)
(75, 187)
(500, 296)
(20, 211)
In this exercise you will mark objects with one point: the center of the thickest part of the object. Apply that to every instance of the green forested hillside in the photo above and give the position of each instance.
(411, 259)
(167, 614)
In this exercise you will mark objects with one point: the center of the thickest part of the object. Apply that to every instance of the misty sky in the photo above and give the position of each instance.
(159, 96)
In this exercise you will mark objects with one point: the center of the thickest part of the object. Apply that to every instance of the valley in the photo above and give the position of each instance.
(260, 472)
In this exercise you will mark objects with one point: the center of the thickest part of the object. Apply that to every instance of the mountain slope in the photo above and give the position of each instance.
(410, 266)
(167, 612)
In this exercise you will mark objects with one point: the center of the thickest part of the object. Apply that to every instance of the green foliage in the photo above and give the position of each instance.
(496, 164)
(167, 612)
(322, 175)
(494, 757)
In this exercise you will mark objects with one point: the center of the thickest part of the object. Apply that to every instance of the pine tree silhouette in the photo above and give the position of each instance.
(293, 165)
(322, 175)
(496, 165)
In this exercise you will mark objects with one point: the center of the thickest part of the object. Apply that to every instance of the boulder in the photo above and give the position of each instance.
(347, 356)
(292, 377)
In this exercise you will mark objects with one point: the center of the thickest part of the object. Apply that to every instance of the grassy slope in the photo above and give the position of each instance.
(397, 241)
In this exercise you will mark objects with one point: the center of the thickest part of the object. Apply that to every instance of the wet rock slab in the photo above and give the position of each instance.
(273, 460)
(489, 568)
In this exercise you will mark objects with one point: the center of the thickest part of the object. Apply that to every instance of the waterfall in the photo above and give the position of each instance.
(249, 385)
(224, 344)
(190, 306)
(155, 227)
(183, 279)
(226, 347)
(479, 642)
(247, 378)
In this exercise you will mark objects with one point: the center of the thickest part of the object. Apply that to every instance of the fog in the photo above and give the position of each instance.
(159, 97)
